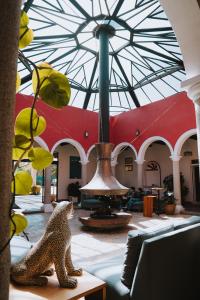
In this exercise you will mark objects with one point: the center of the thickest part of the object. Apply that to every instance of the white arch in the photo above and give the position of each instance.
(89, 151)
(181, 140)
(149, 141)
(41, 142)
(118, 148)
(76, 144)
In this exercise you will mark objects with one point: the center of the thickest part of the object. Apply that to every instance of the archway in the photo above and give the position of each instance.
(123, 158)
(155, 152)
(70, 155)
(189, 168)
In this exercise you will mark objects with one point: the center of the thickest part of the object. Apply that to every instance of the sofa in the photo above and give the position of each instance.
(158, 265)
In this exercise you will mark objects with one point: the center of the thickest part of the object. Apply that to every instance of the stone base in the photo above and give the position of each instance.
(47, 207)
(179, 209)
(121, 220)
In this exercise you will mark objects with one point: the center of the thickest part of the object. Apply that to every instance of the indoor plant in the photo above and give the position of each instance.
(169, 203)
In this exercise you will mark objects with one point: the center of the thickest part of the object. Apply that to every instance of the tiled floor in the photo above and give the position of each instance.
(91, 245)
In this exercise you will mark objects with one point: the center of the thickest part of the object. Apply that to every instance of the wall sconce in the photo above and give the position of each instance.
(137, 132)
(86, 134)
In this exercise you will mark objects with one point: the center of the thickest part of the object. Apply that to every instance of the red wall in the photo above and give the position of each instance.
(168, 118)
(68, 122)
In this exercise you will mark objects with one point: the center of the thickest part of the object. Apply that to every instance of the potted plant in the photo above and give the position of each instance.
(168, 184)
(169, 203)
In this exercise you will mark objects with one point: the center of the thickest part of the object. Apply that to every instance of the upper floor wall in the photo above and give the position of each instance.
(169, 119)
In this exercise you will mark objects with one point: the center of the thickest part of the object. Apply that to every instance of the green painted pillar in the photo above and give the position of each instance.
(103, 35)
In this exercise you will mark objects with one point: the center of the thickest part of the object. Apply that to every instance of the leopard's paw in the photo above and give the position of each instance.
(69, 283)
(76, 272)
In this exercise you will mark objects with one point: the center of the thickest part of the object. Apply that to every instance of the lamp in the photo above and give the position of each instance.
(137, 132)
(86, 134)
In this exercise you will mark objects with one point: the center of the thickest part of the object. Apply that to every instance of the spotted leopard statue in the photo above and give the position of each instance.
(54, 247)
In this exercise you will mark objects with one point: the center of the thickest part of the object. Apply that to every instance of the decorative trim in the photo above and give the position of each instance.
(76, 144)
(181, 140)
(117, 150)
(41, 142)
(149, 141)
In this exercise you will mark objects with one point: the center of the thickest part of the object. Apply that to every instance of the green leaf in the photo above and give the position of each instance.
(20, 144)
(56, 90)
(22, 123)
(23, 183)
(18, 82)
(25, 37)
(20, 221)
(44, 70)
(40, 158)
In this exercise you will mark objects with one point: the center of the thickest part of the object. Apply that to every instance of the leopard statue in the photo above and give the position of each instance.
(54, 247)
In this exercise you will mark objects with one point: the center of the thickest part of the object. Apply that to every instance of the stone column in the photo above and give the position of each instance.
(113, 167)
(47, 190)
(177, 183)
(139, 173)
(192, 86)
(83, 172)
(33, 175)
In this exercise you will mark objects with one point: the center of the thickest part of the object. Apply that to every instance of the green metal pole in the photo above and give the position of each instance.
(104, 86)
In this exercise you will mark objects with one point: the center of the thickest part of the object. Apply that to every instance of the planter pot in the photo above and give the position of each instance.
(170, 209)
(36, 189)
(53, 198)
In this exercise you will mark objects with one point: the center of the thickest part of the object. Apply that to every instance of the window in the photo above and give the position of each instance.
(75, 167)
(128, 164)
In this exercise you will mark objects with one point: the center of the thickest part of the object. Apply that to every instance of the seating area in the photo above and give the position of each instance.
(155, 265)
(129, 259)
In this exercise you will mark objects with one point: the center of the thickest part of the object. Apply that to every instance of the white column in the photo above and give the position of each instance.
(192, 86)
(33, 175)
(177, 183)
(113, 167)
(84, 172)
(140, 164)
(47, 190)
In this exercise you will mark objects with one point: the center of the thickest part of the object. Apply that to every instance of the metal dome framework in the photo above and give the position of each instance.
(145, 59)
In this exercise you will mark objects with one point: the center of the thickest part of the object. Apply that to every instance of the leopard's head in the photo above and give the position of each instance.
(65, 208)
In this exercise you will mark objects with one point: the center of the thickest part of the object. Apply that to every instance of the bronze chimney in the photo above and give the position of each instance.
(104, 183)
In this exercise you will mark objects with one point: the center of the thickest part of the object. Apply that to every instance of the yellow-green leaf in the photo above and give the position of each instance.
(20, 221)
(21, 141)
(22, 123)
(40, 158)
(55, 90)
(24, 19)
(18, 82)
(23, 183)
(25, 37)
(20, 144)
(44, 70)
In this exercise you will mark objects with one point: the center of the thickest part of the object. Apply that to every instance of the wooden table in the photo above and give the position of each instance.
(87, 284)
(148, 205)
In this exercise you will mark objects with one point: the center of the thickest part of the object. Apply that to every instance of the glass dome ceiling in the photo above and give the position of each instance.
(145, 60)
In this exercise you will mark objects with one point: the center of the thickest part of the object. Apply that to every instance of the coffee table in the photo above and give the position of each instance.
(87, 284)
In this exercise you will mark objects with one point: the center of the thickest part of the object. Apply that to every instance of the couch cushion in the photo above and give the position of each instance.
(110, 271)
(187, 222)
(134, 244)
(169, 267)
